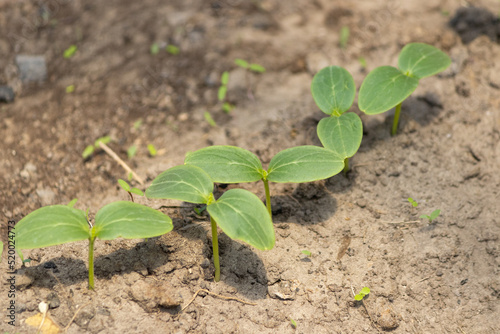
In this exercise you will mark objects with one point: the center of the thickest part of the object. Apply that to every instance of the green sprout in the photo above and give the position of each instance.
(432, 216)
(364, 292)
(132, 150)
(293, 323)
(252, 67)
(59, 224)
(239, 213)
(89, 150)
(344, 37)
(412, 202)
(69, 52)
(231, 164)
(72, 203)
(70, 89)
(362, 62)
(199, 211)
(306, 253)
(209, 119)
(152, 150)
(333, 90)
(387, 87)
(224, 80)
(172, 49)
(154, 49)
(125, 186)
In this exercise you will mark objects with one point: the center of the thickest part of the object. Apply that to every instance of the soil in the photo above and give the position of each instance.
(439, 277)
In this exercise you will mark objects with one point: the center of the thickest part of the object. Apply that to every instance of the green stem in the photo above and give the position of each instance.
(268, 198)
(215, 248)
(346, 166)
(91, 263)
(396, 120)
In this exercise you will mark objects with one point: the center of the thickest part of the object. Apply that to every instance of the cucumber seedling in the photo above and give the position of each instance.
(412, 202)
(333, 90)
(231, 164)
(387, 87)
(364, 292)
(59, 224)
(239, 213)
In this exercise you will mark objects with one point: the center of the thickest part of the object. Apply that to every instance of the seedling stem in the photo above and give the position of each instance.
(91, 263)
(396, 119)
(215, 248)
(346, 166)
(268, 197)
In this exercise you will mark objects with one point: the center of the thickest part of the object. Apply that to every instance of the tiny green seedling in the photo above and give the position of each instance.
(306, 253)
(344, 37)
(333, 90)
(59, 224)
(387, 87)
(69, 52)
(293, 323)
(432, 216)
(132, 150)
(239, 213)
(154, 49)
(172, 49)
(364, 292)
(152, 150)
(252, 67)
(412, 202)
(209, 119)
(231, 164)
(70, 89)
(131, 190)
(221, 94)
(89, 150)
(199, 211)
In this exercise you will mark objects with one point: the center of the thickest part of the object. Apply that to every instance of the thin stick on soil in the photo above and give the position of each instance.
(113, 155)
(215, 295)
(74, 316)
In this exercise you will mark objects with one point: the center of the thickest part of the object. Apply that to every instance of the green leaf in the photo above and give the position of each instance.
(435, 214)
(243, 216)
(257, 68)
(131, 221)
(422, 60)
(412, 202)
(227, 164)
(365, 291)
(69, 52)
(333, 90)
(132, 150)
(87, 152)
(224, 79)
(241, 63)
(124, 185)
(294, 324)
(137, 191)
(70, 89)
(425, 217)
(304, 164)
(51, 225)
(221, 94)
(383, 89)
(104, 140)
(185, 183)
(172, 49)
(209, 119)
(341, 134)
(154, 49)
(306, 253)
(358, 297)
(152, 150)
(72, 202)
(227, 107)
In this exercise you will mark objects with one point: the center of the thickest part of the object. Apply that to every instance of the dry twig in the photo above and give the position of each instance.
(113, 155)
(215, 295)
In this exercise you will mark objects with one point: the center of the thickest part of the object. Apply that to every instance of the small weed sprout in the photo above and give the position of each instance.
(154, 49)
(131, 190)
(89, 150)
(344, 37)
(432, 216)
(412, 202)
(172, 49)
(306, 253)
(239, 213)
(152, 150)
(209, 119)
(70, 89)
(221, 94)
(364, 292)
(387, 87)
(293, 323)
(131, 151)
(59, 224)
(70, 52)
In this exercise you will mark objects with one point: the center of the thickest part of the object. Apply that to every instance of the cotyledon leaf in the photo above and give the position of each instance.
(341, 134)
(333, 90)
(422, 60)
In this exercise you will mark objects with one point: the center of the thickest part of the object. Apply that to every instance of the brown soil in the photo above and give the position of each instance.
(442, 277)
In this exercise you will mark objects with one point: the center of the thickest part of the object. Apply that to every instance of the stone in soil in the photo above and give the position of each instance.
(31, 68)
(6, 94)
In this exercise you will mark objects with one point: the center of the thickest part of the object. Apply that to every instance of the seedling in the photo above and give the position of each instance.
(333, 90)
(131, 190)
(172, 49)
(154, 49)
(209, 119)
(132, 150)
(252, 67)
(432, 216)
(70, 89)
(412, 202)
(152, 150)
(293, 323)
(59, 224)
(239, 213)
(89, 150)
(231, 164)
(221, 94)
(387, 87)
(306, 253)
(364, 292)
(344, 37)
(69, 52)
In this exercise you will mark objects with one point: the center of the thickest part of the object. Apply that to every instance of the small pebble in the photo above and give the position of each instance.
(6, 94)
